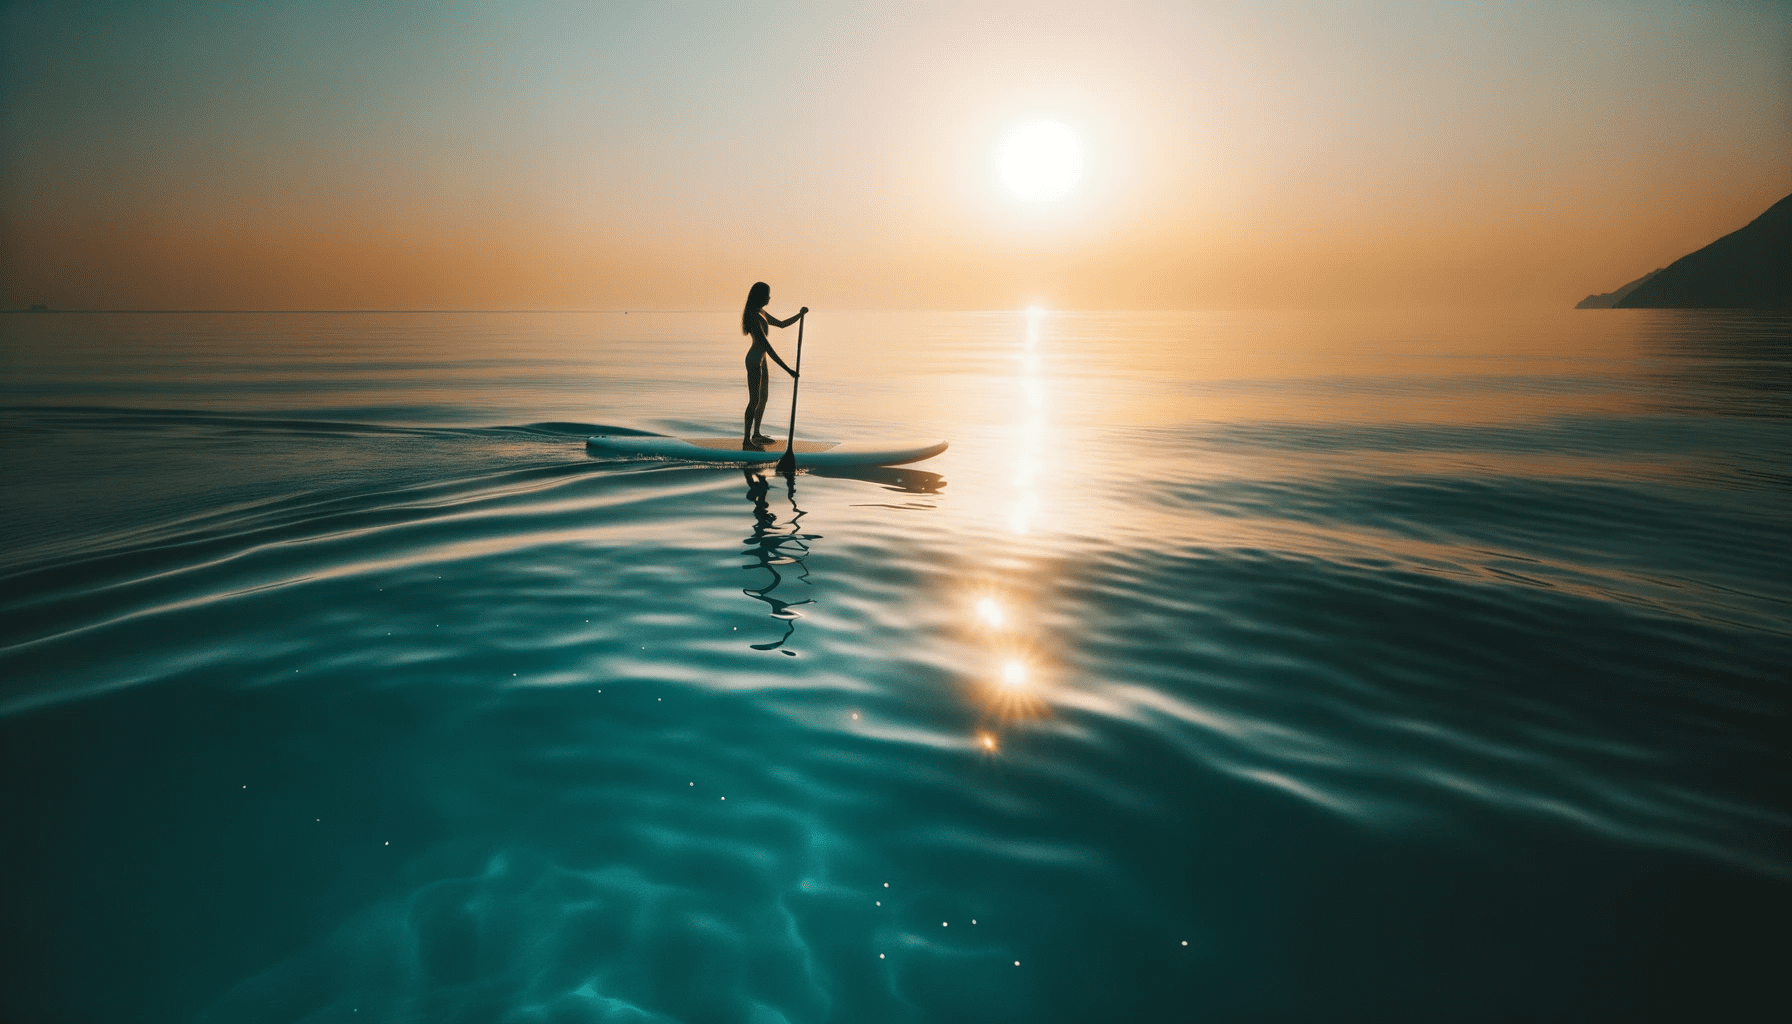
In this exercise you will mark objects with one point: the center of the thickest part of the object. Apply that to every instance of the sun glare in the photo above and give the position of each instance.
(1042, 160)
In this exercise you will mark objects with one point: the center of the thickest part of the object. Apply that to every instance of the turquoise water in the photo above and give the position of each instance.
(1252, 666)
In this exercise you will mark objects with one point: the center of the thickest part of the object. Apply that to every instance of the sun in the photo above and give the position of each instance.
(1041, 160)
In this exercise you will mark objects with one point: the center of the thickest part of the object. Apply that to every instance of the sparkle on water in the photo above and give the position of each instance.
(1014, 674)
(990, 612)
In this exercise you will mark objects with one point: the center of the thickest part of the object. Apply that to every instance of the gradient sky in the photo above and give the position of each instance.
(1259, 154)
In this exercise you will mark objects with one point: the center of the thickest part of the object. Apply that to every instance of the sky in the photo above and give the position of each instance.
(612, 156)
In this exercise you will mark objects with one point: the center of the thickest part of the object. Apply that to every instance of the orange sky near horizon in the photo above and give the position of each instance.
(558, 156)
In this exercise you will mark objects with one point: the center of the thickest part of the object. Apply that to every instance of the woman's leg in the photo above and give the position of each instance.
(755, 399)
(765, 393)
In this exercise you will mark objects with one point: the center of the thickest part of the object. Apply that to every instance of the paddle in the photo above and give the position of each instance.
(787, 464)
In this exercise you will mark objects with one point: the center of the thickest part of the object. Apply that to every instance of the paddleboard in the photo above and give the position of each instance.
(728, 449)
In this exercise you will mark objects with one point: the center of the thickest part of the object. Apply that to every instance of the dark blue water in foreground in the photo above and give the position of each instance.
(1296, 667)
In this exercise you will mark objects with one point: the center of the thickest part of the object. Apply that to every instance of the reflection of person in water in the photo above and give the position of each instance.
(771, 548)
(753, 321)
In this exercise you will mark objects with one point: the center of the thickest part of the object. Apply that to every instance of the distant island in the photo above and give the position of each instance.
(1608, 300)
(1746, 269)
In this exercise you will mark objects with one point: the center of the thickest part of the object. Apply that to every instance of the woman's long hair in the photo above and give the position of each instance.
(757, 297)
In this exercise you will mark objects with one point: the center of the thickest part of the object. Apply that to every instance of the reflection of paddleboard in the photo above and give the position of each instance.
(727, 449)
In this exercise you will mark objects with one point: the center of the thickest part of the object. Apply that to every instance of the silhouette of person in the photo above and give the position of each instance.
(753, 321)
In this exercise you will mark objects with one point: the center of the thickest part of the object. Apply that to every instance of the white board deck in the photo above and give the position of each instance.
(728, 449)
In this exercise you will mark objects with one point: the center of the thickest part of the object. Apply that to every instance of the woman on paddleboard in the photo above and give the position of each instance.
(753, 321)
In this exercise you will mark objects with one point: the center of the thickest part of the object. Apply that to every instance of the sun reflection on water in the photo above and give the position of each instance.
(1029, 430)
(1010, 689)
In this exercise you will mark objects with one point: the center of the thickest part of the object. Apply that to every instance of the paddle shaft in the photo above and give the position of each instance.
(787, 464)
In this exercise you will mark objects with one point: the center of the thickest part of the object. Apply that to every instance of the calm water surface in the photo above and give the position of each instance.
(1285, 667)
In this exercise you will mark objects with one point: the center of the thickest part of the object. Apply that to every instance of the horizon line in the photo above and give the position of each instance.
(856, 309)
(52, 309)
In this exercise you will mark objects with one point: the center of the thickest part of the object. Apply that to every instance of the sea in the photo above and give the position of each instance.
(1370, 665)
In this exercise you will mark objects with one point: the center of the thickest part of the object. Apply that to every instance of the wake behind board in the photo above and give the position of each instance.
(728, 449)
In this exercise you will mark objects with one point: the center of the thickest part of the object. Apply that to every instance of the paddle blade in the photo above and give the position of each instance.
(787, 464)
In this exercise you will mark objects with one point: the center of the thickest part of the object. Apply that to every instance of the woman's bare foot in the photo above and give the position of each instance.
(748, 444)
(762, 439)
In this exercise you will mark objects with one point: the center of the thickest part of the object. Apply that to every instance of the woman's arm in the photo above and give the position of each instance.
(769, 350)
(775, 322)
